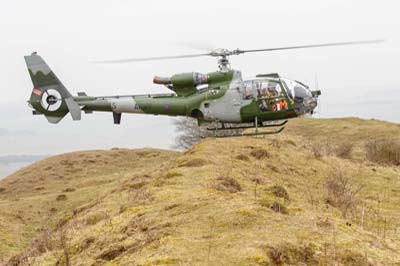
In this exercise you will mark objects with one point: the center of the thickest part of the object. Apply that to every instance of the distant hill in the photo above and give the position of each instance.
(324, 192)
(12, 163)
(21, 158)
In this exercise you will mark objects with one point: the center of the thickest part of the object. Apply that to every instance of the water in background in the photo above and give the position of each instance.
(9, 168)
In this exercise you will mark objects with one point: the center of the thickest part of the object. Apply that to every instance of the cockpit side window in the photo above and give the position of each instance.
(289, 92)
(261, 89)
(301, 92)
(268, 88)
(296, 89)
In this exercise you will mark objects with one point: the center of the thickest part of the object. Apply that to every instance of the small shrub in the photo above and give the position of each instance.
(68, 190)
(383, 151)
(138, 184)
(172, 206)
(243, 157)
(274, 205)
(61, 197)
(228, 184)
(344, 150)
(2, 189)
(322, 149)
(352, 258)
(44, 242)
(280, 192)
(86, 243)
(341, 192)
(278, 207)
(260, 153)
(95, 218)
(112, 253)
(259, 180)
(289, 254)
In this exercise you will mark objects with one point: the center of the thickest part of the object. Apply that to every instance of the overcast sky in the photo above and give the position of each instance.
(355, 80)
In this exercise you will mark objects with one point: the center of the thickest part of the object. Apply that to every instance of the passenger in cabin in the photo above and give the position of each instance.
(263, 105)
(273, 106)
(248, 91)
(277, 103)
(283, 104)
(272, 90)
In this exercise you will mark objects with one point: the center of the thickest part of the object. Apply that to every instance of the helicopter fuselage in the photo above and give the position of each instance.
(230, 99)
(221, 96)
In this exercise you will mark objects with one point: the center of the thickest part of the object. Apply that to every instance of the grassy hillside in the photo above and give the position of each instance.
(325, 192)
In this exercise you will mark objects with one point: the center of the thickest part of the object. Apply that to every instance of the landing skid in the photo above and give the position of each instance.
(240, 127)
(262, 125)
(257, 133)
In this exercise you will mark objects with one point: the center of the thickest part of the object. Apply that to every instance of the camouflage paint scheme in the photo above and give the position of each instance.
(220, 99)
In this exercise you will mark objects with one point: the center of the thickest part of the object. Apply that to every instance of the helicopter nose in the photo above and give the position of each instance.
(309, 104)
(312, 102)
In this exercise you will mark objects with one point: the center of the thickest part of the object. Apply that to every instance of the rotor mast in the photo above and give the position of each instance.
(223, 58)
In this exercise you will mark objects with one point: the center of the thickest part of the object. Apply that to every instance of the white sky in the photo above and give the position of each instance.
(355, 80)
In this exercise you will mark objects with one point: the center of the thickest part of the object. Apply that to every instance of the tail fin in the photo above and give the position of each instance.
(49, 96)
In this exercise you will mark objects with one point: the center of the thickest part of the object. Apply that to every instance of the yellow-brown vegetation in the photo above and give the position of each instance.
(271, 200)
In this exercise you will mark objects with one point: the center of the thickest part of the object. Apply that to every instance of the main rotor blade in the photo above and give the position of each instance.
(129, 60)
(312, 46)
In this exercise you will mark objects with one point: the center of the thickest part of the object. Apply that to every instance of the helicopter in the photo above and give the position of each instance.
(221, 100)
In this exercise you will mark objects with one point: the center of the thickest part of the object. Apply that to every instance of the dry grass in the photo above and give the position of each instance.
(344, 150)
(289, 254)
(129, 210)
(280, 192)
(260, 153)
(383, 151)
(279, 207)
(341, 192)
(194, 162)
(228, 184)
(243, 157)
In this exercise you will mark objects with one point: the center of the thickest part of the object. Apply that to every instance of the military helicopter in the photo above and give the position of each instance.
(221, 100)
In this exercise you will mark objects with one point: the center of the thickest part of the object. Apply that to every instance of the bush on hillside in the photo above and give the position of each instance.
(279, 192)
(344, 150)
(228, 184)
(383, 151)
(341, 193)
(289, 254)
(260, 153)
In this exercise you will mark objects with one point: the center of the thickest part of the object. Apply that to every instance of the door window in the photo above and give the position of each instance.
(248, 90)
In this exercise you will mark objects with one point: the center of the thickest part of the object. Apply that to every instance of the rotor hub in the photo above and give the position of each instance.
(51, 99)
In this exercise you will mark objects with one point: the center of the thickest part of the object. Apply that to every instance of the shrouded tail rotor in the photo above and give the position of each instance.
(49, 96)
